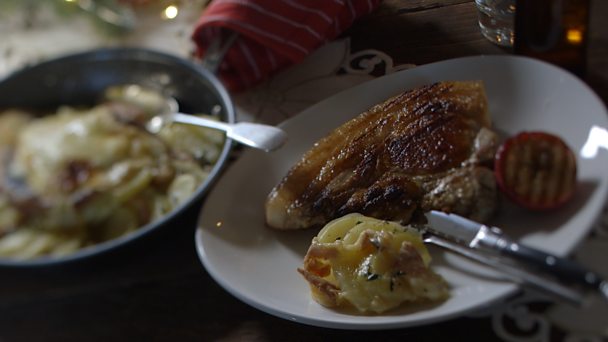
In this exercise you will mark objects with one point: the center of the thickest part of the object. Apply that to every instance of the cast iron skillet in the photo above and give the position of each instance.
(80, 79)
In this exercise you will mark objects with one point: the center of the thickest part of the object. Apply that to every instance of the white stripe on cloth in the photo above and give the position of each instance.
(249, 57)
(264, 11)
(352, 10)
(308, 9)
(221, 18)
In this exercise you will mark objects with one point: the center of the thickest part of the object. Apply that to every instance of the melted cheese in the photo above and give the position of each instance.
(371, 264)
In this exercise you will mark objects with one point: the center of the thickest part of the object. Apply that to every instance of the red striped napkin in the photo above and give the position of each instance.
(273, 34)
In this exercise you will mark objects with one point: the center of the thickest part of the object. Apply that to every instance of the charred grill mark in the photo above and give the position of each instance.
(397, 100)
(373, 194)
(326, 204)
(427, 99)
(393, 192)
(352, 155)
(341, 188)
(540, 172)
(371, 131)
(379, 196)
(427, 145)
(417, 95)
(367, 167)
(436, 106)
(330, 188)
(391, 197)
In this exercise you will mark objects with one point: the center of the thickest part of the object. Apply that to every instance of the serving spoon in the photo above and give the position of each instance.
(260, 136)
(264, 137)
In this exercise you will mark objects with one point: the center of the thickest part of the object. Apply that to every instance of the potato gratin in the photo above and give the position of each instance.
(79, 177)
(370, 264)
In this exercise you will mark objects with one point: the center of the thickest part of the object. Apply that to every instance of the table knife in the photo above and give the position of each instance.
(517, 274)
(492, 240)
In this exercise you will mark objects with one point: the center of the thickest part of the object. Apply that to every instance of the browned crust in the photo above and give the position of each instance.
(367, 165)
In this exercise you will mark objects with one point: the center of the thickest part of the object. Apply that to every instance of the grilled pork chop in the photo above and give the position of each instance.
(420, 150)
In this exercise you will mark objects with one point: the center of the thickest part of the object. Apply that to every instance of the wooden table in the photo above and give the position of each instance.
(156, 289)
(425, 31)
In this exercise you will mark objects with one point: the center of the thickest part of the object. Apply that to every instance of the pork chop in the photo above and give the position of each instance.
(426, 148)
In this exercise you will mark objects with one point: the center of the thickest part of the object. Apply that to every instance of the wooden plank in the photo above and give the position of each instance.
(416, 36)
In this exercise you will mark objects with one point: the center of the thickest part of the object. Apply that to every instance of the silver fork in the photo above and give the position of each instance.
(518, 275)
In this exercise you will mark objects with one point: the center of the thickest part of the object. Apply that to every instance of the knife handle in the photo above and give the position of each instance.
(562, 268)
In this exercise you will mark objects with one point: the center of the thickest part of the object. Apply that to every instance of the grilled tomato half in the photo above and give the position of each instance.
(536, 170)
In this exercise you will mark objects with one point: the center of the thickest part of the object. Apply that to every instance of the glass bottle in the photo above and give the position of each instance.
(553, 30)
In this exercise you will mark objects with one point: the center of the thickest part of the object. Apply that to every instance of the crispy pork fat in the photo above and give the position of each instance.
(420, 150)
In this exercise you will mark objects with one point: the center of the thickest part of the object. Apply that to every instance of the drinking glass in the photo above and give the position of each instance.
(496, 20)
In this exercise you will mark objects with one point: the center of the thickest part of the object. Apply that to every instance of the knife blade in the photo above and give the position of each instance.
(493, 241)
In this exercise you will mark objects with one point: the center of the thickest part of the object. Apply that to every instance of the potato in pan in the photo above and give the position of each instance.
(77, 182)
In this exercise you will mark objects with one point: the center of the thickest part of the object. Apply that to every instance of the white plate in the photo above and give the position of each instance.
(258, 265)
